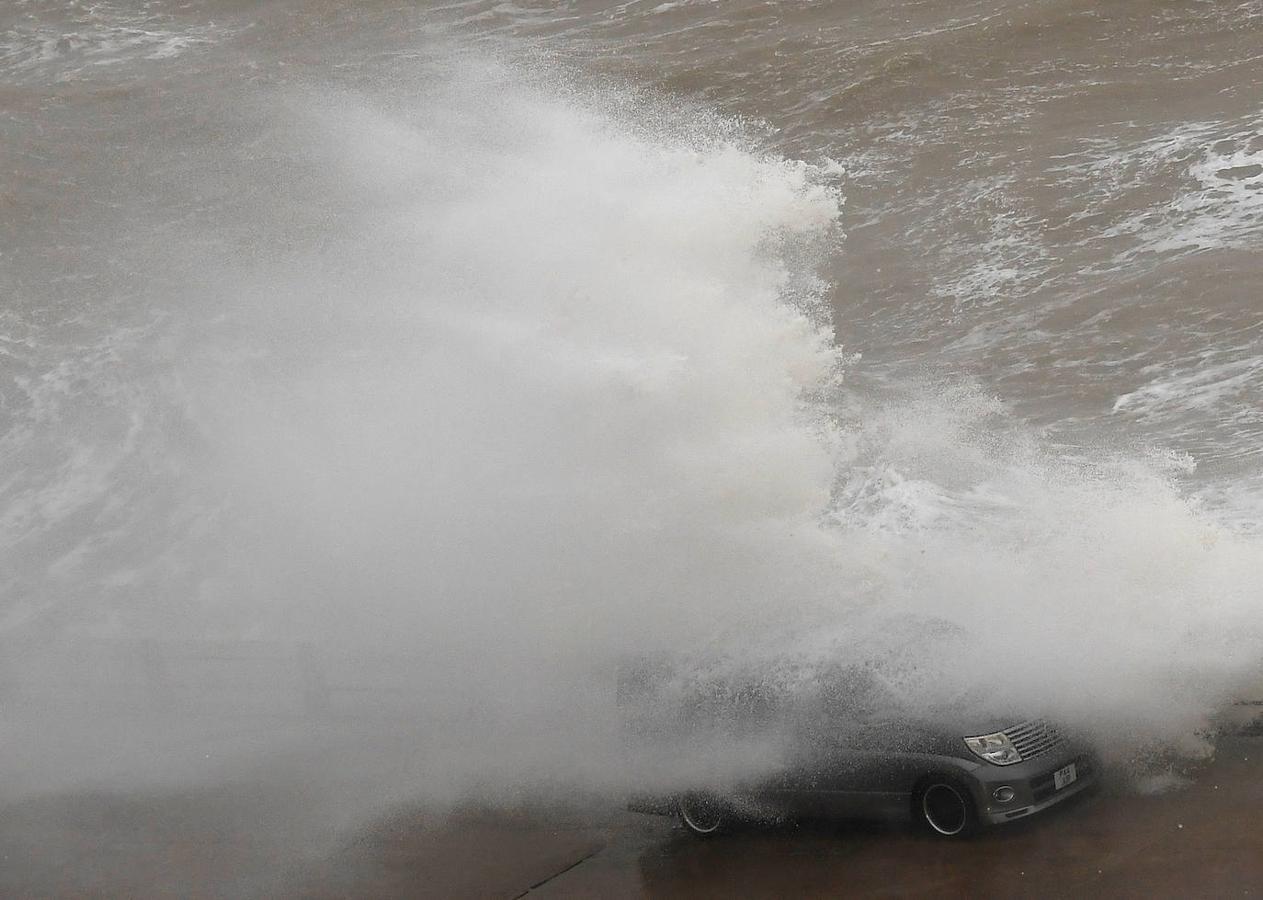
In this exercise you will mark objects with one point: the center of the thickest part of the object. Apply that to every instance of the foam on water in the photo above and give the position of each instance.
(1210, 384)
(80, 39)
(1215, 169)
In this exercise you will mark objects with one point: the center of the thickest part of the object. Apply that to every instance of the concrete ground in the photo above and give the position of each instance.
(1204, 839)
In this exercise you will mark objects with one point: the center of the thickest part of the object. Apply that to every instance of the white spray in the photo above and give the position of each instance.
(527, 388)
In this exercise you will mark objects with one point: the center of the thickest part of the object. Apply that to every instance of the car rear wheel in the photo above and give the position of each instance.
(701, 814)
(945, 808)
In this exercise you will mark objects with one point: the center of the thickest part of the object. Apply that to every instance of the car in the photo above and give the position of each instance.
(849, 749)
(949, 780)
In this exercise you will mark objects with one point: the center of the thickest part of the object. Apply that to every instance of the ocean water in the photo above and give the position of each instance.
(519, 340)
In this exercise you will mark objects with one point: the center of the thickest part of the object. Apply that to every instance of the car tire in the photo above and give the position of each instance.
(701, 814)
(944, 808)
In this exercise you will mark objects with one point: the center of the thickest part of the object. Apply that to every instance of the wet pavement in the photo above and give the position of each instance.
(1203, 838)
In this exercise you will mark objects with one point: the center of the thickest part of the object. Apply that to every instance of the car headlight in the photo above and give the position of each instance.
(994, 748)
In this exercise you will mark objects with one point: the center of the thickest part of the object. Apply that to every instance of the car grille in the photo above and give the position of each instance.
(1035, 738)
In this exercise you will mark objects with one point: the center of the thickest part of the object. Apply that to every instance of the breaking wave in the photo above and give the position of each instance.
(531, 380)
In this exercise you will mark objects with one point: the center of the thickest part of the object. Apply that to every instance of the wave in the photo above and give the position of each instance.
(554, 384)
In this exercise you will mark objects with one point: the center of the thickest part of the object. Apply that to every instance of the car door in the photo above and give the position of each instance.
(850, 754)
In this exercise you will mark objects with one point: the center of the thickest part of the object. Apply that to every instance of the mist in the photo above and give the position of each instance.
(480, 387)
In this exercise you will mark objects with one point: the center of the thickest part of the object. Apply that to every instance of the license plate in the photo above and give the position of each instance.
(1064, 776)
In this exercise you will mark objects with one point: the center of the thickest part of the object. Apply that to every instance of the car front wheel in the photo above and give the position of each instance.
(944, 807)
